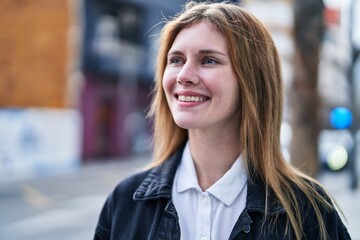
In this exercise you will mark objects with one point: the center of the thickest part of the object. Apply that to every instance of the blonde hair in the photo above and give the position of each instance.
(255, 61)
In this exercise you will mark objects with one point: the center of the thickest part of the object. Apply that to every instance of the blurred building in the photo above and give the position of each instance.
(118, 59)
(40, 128)
(75, 80)
(334, 84)
(34, 53)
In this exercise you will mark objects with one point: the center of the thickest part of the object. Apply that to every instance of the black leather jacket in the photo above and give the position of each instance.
(140, 207)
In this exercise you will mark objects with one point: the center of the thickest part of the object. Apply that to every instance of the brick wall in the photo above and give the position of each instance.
(33, 53)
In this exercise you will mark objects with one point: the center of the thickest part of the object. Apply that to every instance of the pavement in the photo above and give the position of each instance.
(67, 206)
(64, 206)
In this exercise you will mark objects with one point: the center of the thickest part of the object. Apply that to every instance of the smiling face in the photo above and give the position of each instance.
(199, 82)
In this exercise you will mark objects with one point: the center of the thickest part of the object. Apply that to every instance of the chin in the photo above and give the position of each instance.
(185, 124)
(182, 125)
(189, 125)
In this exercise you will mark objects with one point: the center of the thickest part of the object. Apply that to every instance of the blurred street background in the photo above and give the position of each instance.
(75, 82)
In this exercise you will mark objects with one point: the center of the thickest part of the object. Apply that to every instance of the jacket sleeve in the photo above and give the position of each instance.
(338, 230)
(335, 228)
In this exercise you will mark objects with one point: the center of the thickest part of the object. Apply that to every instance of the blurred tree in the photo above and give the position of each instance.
(308, 32)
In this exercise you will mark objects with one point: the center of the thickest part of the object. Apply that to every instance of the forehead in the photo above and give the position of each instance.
(202, 34)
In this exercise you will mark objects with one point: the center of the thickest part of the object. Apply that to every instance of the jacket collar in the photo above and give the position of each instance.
(159, 181)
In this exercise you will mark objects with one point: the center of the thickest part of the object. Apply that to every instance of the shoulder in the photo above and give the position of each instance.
(152, 183)
(140, 198)
(318, 196)
(123, 192)
(117, 210)
(127, 187)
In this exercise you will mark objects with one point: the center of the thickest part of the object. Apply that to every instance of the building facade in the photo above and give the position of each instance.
(118, 59)
(34, 53)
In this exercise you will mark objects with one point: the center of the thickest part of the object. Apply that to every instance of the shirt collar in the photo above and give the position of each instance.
(229, 186)
(226, 189)
(187, 178)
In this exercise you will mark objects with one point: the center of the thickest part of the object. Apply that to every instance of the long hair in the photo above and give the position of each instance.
(256, 63)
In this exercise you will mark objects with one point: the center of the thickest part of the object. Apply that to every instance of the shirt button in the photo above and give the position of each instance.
(203, 238)
(204, 201)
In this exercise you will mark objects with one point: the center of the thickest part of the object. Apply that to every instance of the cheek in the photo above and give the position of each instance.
(165, 86)
(235, 99)
(167, 82)
(229, 91)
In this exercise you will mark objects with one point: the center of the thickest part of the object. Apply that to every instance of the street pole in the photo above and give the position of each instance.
(354, 109)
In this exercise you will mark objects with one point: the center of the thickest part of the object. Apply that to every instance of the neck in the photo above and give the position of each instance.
(213, 155)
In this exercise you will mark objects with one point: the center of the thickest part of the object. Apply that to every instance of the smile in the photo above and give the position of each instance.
(184, 98)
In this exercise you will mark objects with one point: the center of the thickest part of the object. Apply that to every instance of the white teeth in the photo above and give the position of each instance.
(191, 98)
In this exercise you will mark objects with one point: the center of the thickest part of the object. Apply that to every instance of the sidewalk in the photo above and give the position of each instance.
(67, 206)
(63, 206)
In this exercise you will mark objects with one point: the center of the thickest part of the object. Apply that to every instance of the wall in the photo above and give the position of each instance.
(34, 51)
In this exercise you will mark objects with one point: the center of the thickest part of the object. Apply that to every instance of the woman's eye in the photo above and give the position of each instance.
(176, 60)
(210, 61)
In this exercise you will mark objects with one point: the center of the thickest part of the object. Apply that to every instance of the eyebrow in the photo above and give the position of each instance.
(211, 51)
(202, 51)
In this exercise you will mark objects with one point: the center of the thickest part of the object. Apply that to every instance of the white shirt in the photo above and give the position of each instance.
(211, 214)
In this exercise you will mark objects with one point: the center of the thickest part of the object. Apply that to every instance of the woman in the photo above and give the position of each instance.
(218, 171)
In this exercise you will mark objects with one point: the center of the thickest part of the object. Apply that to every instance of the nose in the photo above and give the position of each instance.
(188, 74)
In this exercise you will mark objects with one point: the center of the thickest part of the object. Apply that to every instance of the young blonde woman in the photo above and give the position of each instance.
(218, 171)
